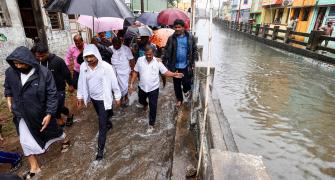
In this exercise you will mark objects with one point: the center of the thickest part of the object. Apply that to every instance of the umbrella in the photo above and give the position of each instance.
(148, 18)
(101, 24)
(137, 31)
(168, 16)
(96, 8)
(161, 36)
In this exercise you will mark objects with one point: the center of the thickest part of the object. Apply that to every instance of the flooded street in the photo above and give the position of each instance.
(279, 105)
(130, 152)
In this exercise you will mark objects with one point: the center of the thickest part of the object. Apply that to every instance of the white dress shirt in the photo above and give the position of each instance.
(149, 73)
(95, 83)
(120, 59)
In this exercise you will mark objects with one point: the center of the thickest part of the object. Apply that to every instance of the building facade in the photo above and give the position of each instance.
(149, 5)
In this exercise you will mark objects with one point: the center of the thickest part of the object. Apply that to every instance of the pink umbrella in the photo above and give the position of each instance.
(101, 24)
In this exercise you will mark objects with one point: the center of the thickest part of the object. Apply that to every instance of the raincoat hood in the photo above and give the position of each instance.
(91, 49)
(23, 55)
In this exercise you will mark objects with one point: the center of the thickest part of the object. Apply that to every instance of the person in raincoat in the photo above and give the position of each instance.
(31, 95)
(122, 60)
(97, 83)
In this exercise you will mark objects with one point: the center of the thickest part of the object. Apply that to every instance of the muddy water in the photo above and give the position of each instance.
(279, 105)
(130, 153)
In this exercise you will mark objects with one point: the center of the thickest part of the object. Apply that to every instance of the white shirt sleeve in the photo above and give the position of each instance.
(129, 54)
(115, 85)
(80, 86)
(136, 68)
(162, 68)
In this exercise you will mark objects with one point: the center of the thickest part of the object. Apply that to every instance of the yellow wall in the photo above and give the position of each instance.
(300, 3)
(302, 26)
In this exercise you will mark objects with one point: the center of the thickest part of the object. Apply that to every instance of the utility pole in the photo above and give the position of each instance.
(142, 6)
(238, 12)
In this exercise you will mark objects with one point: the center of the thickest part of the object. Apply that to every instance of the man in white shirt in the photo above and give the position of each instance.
(148, 68)
(97, 82)
(121, 60)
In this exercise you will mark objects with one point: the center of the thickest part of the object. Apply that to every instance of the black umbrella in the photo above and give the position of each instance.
(96, 8)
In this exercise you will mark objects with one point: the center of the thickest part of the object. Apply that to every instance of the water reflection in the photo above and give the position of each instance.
(279, 105)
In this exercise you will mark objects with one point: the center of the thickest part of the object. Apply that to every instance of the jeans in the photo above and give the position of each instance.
(186, 82)
(7, 157)
(104, 122)
(153, 98)
(61, 109)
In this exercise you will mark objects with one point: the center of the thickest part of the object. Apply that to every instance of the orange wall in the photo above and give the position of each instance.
(299, 3)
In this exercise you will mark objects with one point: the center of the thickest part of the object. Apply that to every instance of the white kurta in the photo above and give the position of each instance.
(27, 141)
(120, 61)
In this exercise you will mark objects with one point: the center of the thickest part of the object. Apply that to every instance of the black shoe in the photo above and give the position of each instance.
(109, 125)
(69, 121)
(99, 155)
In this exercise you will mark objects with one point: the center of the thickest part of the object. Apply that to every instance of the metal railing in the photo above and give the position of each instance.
(311, 41)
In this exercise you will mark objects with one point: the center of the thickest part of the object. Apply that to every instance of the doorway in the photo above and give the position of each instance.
(320, 17)
(32, 21)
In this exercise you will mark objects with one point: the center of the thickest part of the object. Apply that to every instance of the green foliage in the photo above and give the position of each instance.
(173, 3)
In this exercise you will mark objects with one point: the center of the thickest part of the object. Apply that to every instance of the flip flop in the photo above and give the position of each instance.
(65, 146)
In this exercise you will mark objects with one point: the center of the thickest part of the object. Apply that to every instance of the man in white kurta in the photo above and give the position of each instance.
(121, 59)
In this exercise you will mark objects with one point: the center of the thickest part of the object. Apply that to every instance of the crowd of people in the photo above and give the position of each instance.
(104, 72)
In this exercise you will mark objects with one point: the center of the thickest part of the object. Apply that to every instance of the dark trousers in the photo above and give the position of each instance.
(75, 79)
(153, 98)
(186, 82)
(11, 158)
(104, 122)
(61, 109)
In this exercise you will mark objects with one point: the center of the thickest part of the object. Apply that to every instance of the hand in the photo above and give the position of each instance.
(71, 89)
(178, 75)
(79, 103)
(117, 103)
(45, 122)
(9, 103)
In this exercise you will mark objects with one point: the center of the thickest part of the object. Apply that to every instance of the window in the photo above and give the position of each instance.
(72, 17)
(56, 20)
(306, 14)
(296, 13)
(245, 1)
(332, 11)
(4, 15)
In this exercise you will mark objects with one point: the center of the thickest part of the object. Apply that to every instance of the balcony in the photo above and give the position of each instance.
(271, 2)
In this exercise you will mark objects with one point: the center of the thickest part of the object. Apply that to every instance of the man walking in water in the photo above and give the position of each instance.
(97, 83)
(61, 76)
(71, 56)
(148, 68)
(32, 98)
(180, 55)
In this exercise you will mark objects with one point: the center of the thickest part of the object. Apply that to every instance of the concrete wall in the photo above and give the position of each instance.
(58, 40)
(15, 36)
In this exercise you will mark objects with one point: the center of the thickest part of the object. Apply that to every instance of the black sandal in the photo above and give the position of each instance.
(30, 175)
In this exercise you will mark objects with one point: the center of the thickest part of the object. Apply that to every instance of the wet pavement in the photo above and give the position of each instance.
(130, 153)
(279, 105)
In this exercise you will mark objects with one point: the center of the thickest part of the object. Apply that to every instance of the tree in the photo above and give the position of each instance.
(172, 3)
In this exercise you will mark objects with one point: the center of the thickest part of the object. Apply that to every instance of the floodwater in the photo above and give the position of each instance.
(130, 152)
(279, 105)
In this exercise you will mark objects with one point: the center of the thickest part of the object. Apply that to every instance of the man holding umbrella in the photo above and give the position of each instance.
(179, 56)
